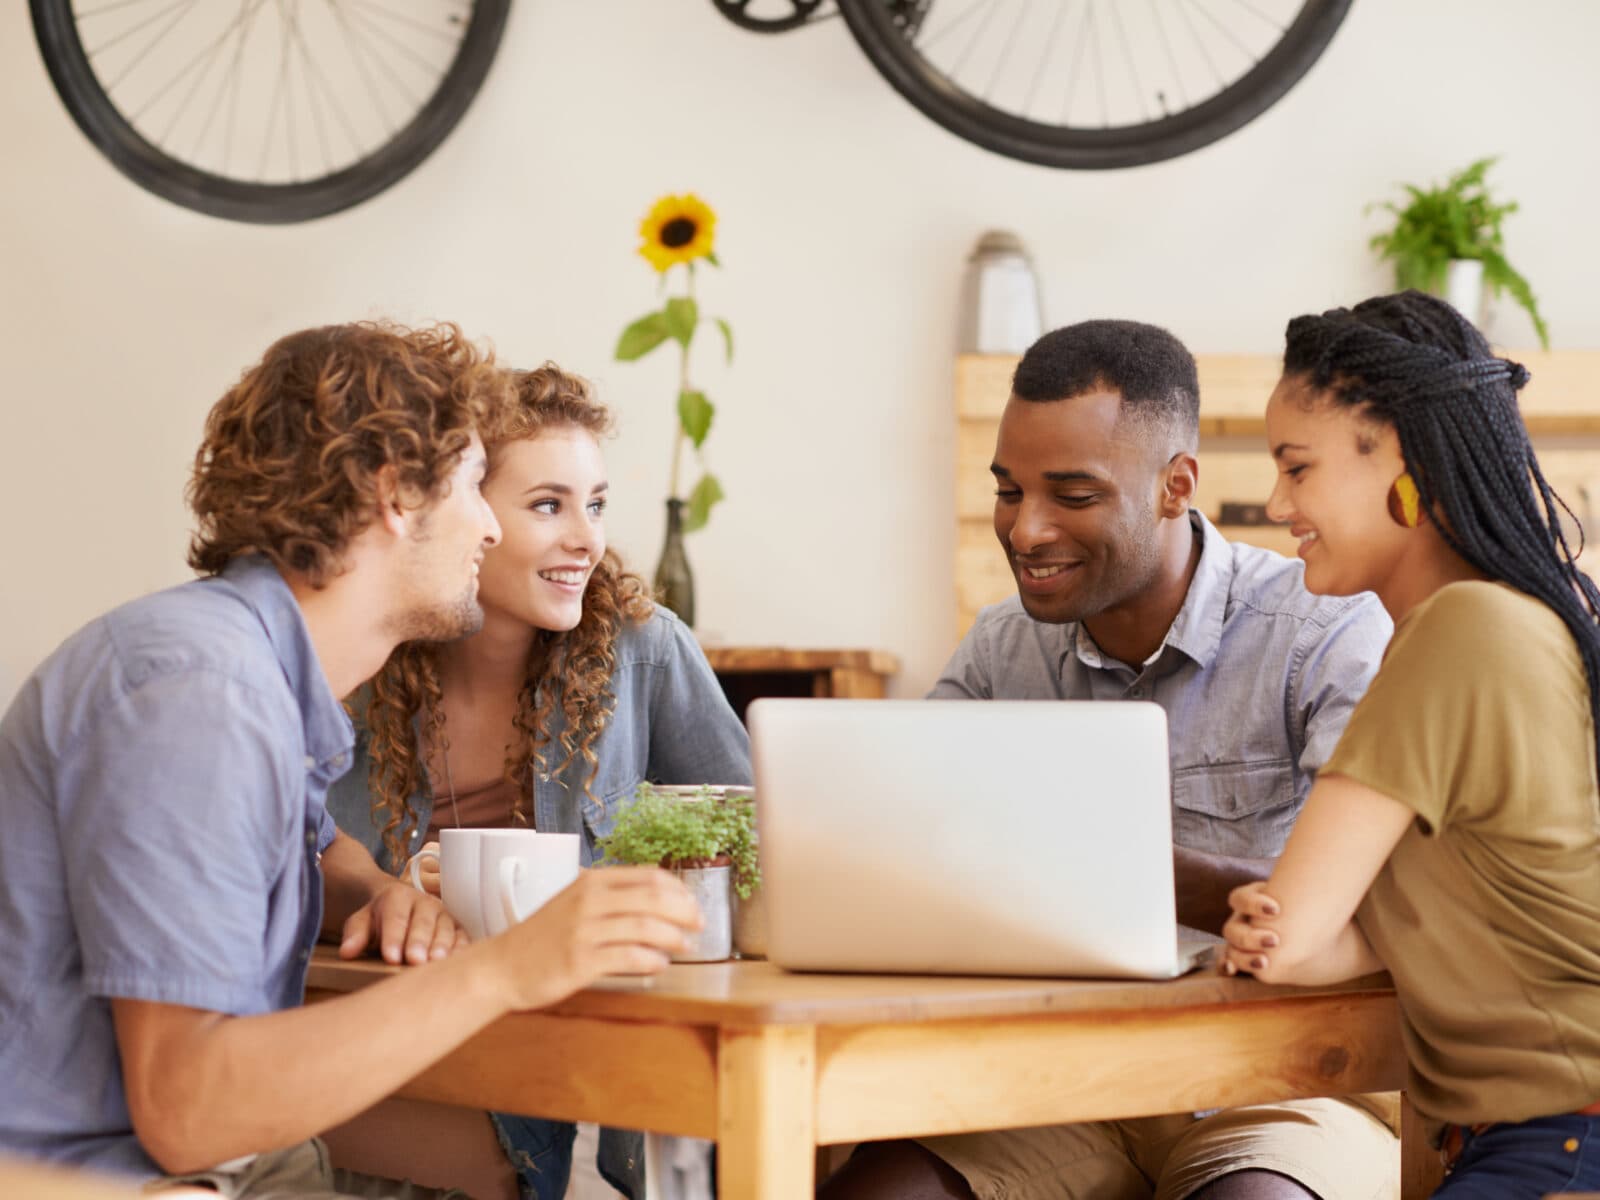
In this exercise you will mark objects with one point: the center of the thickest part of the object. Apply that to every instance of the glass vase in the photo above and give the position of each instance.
(674, 582)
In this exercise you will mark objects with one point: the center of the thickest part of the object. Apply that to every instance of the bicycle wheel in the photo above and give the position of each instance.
(1092, 83)
(269, 111)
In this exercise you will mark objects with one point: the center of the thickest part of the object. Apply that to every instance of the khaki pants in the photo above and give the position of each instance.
(1338, 1150)
(301, 1172)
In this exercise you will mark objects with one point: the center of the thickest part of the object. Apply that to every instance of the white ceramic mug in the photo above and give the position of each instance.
(491, 879)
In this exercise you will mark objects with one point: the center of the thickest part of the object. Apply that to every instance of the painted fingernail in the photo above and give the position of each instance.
(1228, 968)
(1270, 941)
(1269, 908)
(1257, 963)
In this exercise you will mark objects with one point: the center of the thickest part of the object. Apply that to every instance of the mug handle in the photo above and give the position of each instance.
(416, 864)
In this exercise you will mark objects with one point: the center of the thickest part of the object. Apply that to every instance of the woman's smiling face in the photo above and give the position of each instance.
(549, 494)
(1335, 468)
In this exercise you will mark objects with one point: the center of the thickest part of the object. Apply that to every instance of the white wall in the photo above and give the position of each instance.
(845, 219)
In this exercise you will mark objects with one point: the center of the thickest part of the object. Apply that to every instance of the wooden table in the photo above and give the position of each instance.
(750, 672)
(772, 1064)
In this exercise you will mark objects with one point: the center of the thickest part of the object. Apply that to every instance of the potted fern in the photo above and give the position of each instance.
(706, 836)
(1447, 240)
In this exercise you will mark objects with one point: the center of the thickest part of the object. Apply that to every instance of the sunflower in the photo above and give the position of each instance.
(678, 230)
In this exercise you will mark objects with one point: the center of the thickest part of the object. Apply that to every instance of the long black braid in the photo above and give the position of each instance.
(1413, 362)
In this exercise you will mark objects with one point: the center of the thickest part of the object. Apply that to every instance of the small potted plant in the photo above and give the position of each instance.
(706, 836)
(1447, 240)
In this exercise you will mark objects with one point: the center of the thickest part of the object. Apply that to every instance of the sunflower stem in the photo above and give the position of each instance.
(683, 386)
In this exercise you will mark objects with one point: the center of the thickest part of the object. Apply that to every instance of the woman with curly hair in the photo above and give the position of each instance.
(575, 690)
(1453, 838)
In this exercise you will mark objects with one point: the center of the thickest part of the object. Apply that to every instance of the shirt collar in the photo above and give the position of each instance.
(1196, 631)
(328, 732)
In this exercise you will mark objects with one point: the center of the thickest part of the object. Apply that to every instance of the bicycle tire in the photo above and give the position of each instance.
(261, 203)
(936, 97)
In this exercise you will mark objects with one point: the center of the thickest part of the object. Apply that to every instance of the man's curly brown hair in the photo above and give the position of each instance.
(290, 460)
(571, 668)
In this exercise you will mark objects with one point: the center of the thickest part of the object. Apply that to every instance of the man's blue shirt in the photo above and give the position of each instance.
(162, 778)
(1257, 677)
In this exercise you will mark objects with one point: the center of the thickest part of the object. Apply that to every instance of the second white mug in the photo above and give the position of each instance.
(491, 879)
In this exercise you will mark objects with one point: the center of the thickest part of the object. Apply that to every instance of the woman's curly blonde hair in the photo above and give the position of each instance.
(572, 668)
(289, 463)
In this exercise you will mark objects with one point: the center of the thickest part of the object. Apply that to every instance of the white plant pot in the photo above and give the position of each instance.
(1463, 288)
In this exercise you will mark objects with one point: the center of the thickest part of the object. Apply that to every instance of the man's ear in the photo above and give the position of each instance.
(1179, 480)
(391, 514)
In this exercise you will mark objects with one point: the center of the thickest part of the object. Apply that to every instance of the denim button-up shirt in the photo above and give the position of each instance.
(161, 819)
(1257, 677)
(671, 724)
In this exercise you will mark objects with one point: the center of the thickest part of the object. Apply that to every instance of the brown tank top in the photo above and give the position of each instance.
(487, 806)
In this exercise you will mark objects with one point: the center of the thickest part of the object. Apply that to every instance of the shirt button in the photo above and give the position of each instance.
(305, 956)
(1136, 692)
(311, 837)
(311, 763)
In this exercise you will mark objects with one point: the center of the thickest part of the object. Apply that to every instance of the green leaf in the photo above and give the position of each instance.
(727, 336)
(694, 414)
(682, 315)
(706, 493)
(713, 259)
(643, 336)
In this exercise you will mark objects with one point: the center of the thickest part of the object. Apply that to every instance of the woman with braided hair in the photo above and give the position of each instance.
(1453, 838)
(575, 690)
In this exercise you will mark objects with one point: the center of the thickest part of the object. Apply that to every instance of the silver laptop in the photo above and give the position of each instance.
(968, 837)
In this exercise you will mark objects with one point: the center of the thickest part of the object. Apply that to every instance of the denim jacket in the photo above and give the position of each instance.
(671, 724)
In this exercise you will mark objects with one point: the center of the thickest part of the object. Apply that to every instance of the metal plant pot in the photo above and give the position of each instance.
(712, 889)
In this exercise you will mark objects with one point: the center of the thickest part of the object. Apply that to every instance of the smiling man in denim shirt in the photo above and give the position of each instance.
(1125, 592)
(167, 862)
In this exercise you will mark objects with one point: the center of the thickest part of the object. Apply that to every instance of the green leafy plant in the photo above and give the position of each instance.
(670, 830)
(1458, 220)
(678, 232)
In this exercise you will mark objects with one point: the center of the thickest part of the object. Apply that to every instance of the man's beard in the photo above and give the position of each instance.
(461, 618)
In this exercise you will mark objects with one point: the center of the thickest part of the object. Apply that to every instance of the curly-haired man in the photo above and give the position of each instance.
(168, 862)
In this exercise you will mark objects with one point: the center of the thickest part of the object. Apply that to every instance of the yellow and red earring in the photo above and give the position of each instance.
(1405, 502)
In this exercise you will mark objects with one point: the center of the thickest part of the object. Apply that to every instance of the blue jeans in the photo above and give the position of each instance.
(1529, 1159)
(541, 1152)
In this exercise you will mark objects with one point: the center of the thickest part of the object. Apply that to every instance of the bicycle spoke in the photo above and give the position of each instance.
(208, 53)
(1133, 69)
(401, 46)
(1172, 59)
(925, 43)
(315, 74)
(272, 114)
(361, 66)
(388, 67)
(1011, 41)
(1226, 32)
(434, 31)
(1200, 42)
(1076, 73)
(1251, 8)
(241, 23)
(133, 29)
(973, 41)
(1044, 59)
(82, 15)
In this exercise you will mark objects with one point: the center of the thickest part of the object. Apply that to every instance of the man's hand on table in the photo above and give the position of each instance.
(401, 920)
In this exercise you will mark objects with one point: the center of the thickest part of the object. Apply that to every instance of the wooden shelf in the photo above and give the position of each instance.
(749, 672)
(1563, 397)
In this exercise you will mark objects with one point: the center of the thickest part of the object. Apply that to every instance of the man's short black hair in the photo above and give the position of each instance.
(1151, 369)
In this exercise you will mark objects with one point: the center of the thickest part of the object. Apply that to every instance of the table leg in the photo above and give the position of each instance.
(1421, 1170)
(767, 1112)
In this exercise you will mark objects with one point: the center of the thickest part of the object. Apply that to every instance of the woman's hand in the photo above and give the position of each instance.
(428, 870)
(1248, 931)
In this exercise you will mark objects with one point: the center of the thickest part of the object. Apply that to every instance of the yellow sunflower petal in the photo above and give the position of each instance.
(679, 229)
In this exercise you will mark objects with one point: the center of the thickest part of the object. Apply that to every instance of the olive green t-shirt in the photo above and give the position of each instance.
(1487, 913)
